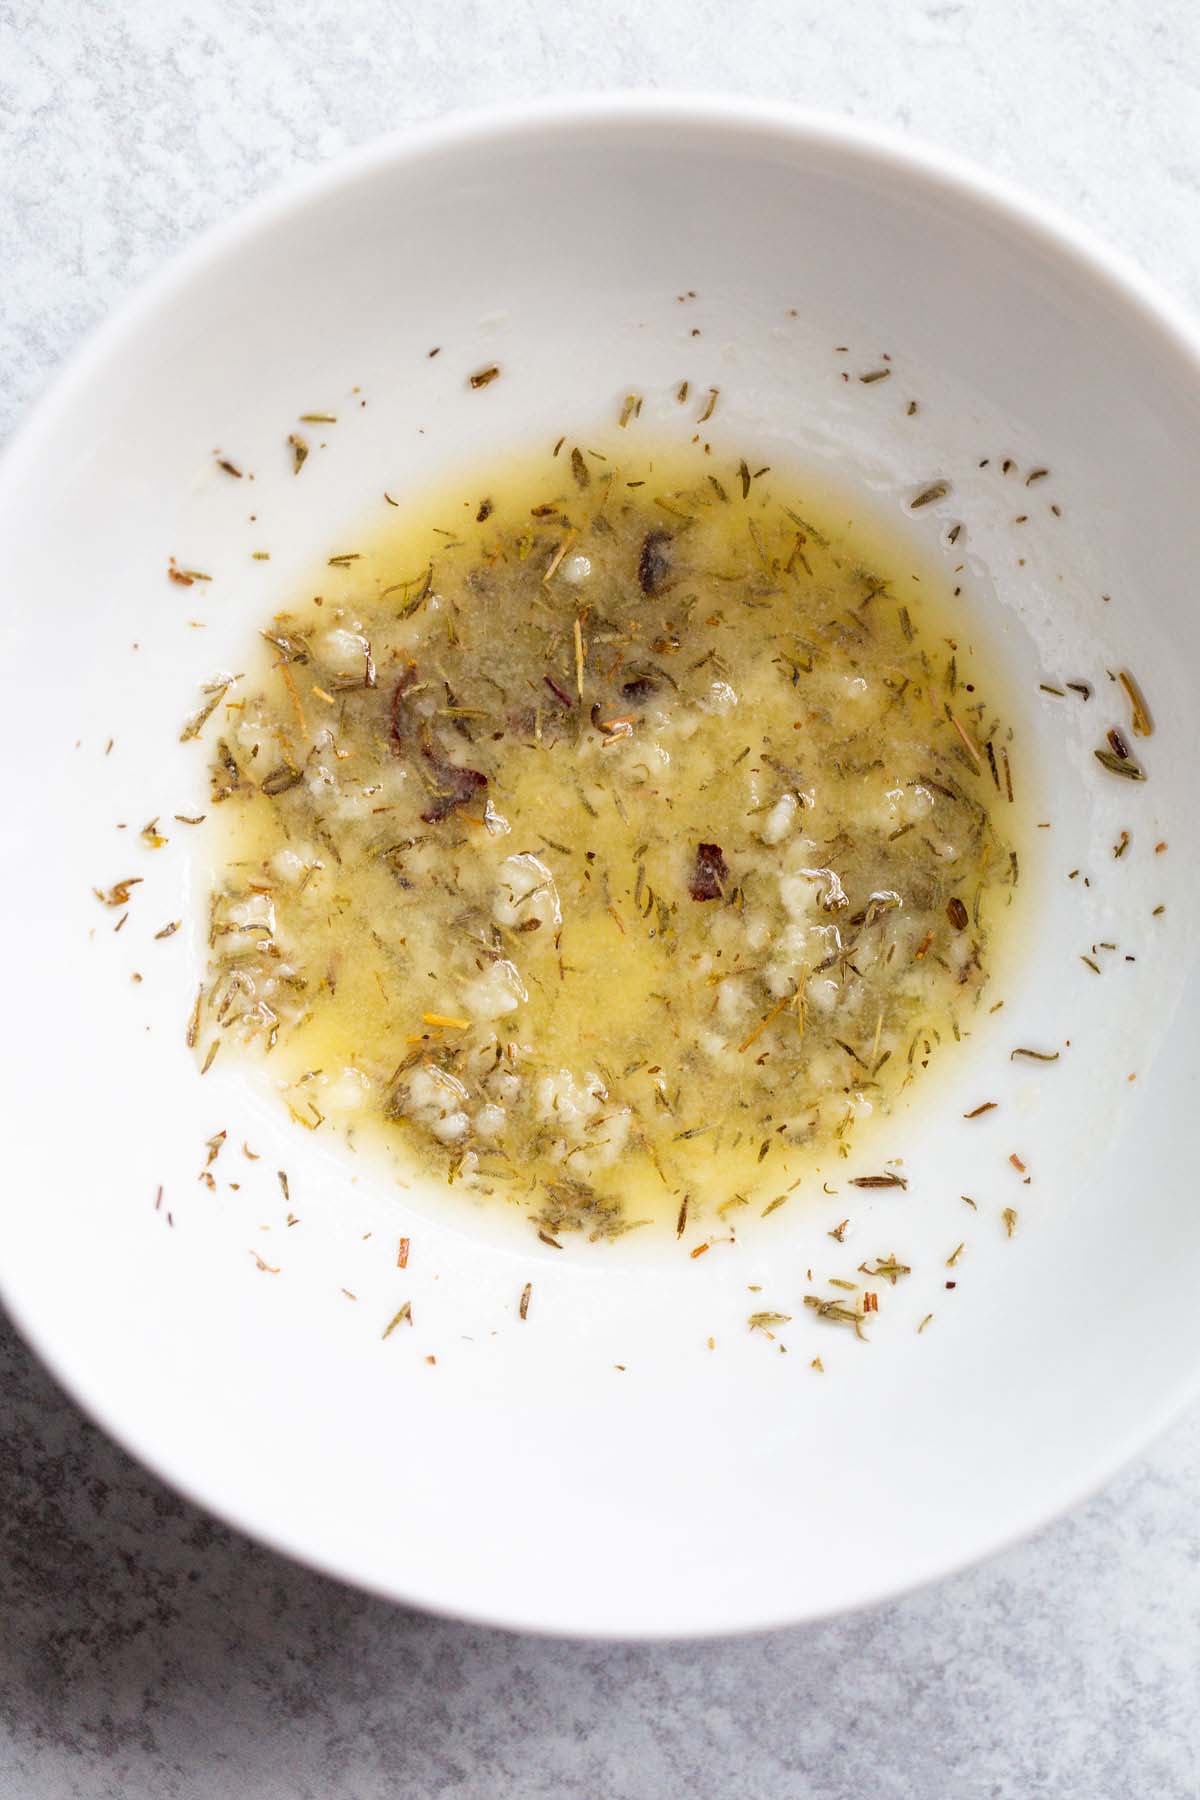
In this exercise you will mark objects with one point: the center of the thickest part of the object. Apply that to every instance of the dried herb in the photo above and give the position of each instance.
(654, 565)
(1120, 764)
(937, 490)
(403, 1317)
(836, 1312)
(118, 894)
(1035, 1055)
(214, 693)
(887, 1268)
(280, 780)
(878, 1181)
(483, 377)
(1143, 724)
(710, 873)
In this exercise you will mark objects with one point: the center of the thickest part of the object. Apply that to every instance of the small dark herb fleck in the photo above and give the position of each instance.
(654, 565)
(710, 873)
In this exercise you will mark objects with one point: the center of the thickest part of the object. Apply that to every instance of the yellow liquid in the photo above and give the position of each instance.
(607, 840)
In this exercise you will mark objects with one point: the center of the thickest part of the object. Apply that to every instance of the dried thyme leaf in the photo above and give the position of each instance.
(654, 565)
(195, 725)
(937, 490)
(887, 1268)
(404, 1316)
(835, 1312)
(1120, 765)
(118, 894)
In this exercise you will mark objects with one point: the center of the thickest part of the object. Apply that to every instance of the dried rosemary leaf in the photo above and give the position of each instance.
(1143, 724)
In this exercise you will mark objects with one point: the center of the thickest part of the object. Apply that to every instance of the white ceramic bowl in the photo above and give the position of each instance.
(523, 1478)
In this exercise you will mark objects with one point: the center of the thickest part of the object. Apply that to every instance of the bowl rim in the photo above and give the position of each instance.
(1145, 302)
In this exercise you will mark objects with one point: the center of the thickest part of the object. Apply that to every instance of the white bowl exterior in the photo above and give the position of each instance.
(525, 1478)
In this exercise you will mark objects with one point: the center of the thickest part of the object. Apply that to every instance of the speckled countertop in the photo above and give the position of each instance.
(150, 1654)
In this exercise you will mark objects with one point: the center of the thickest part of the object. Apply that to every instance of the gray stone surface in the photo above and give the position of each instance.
(149, 1654)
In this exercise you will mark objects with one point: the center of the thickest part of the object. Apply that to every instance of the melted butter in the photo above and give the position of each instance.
(602, 839)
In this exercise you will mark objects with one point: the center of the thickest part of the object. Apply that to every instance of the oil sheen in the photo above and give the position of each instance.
(606, 834)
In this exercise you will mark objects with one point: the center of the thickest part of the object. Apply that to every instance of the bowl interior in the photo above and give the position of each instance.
(598, 1468)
